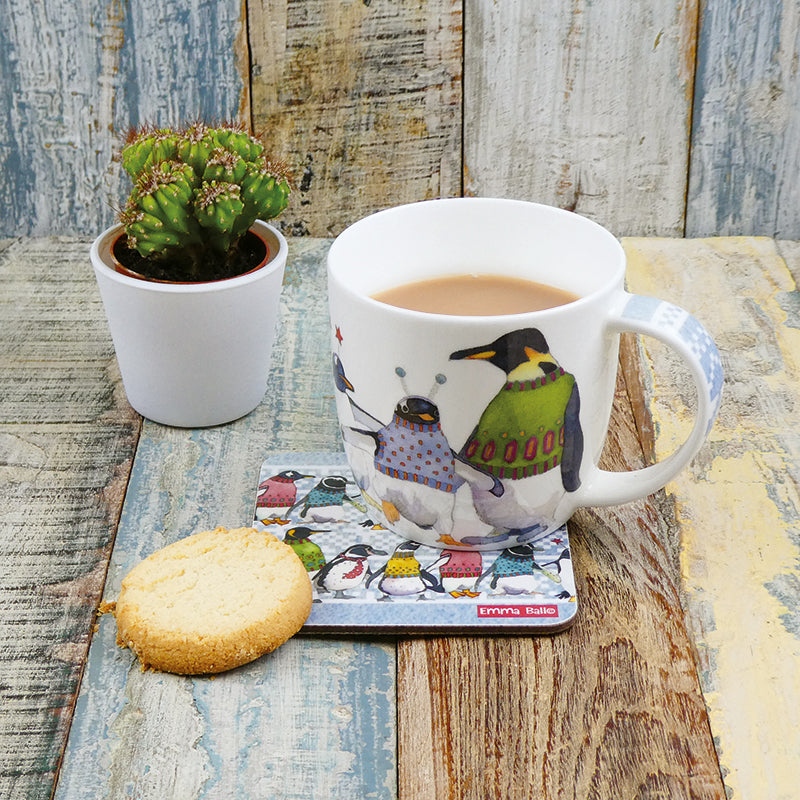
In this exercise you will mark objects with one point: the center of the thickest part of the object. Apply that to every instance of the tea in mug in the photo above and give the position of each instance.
(478, 295)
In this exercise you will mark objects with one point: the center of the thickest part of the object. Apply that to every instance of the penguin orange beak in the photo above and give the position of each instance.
(426, 417)
(485, 354)
(532, 354)
(544, 360)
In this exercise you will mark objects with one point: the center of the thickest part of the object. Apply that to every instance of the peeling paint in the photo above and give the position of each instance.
(77, 75)
(241, 49)
(745, 101)
(790, 303)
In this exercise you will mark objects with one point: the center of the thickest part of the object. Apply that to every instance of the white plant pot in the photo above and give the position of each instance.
(193, 354)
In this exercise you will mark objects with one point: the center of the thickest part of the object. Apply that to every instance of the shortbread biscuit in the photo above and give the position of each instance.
(212, 601)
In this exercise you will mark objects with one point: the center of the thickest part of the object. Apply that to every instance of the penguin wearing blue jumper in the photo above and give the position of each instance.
(325, 501)
(416, 475)
(515, 572)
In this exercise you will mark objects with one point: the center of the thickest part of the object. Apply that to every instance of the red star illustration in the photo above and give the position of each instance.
(339, 334)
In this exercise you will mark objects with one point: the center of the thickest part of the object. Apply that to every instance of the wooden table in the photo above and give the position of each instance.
(680, 678)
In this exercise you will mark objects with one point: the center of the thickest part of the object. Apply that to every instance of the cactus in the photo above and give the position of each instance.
(197, 190)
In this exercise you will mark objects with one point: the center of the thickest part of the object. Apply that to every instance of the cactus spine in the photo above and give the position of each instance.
(196, 191)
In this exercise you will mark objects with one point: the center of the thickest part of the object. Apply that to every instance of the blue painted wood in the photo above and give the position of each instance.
(316, 718)
(73, 75)
(313, 719)
(67, 438)
(745, 156)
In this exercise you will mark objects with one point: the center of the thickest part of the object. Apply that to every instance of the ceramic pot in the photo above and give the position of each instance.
(193, 354)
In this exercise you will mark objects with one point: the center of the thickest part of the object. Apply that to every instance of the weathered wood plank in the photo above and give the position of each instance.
(582, 105)
(745, 155)
(315, 718)
(610, 708)
(738, 504)
(57, 359)
(364, 99)
(67, 438)
(73, 74)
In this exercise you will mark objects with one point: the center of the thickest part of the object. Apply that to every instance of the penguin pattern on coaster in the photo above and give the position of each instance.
(462, 564)
(278, 491)
(402, 565)
(344, 557)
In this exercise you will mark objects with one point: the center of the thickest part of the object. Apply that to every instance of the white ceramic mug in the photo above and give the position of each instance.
(427, 411)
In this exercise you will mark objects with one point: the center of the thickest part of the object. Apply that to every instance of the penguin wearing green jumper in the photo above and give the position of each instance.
(307, 551)
(530, 429)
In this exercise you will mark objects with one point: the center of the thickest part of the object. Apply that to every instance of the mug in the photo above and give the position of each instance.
(484, 432)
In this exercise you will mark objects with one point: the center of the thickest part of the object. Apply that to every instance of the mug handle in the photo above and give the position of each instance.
(681, 331)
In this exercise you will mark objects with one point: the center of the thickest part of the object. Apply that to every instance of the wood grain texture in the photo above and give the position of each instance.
(582, 105)
(364, 100)
(610, 708)
(313, 719)
(67, 438)
(591, 106)
(738, 504)
(74, 74)
(745, 157)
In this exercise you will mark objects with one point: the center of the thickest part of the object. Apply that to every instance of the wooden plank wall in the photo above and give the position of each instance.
(364, 98)
(73, 75)
(746, 129)
(586, 108)
(664, 117)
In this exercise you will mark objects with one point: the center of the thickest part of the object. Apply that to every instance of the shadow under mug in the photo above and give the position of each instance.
(452, 441)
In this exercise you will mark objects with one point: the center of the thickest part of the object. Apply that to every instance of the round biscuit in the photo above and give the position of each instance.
(212, 601)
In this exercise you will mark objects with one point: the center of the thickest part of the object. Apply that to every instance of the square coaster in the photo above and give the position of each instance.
(367, 579)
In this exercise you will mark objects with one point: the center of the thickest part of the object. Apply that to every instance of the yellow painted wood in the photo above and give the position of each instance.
(737, 504)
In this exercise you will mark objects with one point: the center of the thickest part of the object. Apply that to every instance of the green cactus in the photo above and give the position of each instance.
(197, 190)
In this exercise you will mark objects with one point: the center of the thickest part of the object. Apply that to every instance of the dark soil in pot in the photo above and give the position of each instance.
(199, 266)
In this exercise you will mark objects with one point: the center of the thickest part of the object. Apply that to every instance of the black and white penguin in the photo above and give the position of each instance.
(530, 429)
(403, 576)
(346, 571)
